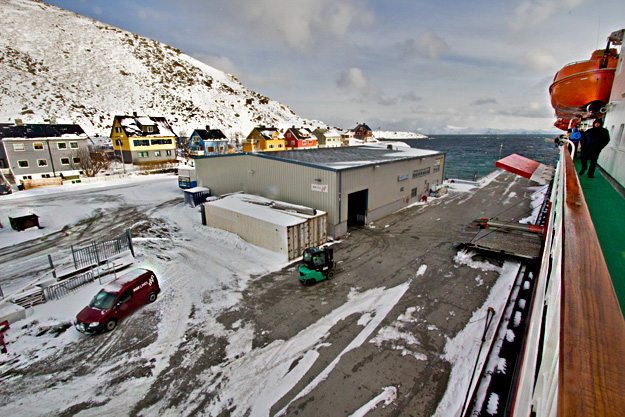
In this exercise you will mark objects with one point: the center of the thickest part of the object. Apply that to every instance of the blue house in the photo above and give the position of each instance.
(208, 142)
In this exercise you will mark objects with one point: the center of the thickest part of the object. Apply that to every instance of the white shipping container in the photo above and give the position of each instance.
(276, 226)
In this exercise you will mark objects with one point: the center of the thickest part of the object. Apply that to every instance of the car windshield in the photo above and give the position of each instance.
(103, 300)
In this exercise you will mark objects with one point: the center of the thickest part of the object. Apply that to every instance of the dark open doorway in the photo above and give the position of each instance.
(357, 208)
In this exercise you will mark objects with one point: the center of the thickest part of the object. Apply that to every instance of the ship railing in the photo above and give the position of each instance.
(574, 358)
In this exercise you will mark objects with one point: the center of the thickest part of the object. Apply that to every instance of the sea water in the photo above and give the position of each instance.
(473, 156)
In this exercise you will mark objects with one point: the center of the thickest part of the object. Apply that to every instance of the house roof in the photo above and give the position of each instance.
(347, 157)
(364, 126)
(213, 134)
(133, 126)
(301, 133)
(39, 131)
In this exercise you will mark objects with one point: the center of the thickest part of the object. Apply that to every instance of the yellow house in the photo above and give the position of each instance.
(264, 139)
(143, 139)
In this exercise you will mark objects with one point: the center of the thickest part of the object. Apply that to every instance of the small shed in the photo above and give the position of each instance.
(196, 195)
(273, 225)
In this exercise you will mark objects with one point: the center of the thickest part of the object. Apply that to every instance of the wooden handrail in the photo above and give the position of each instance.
(592, 332)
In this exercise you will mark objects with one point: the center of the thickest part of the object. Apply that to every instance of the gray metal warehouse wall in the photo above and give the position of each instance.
(389, 184)
(292, 183)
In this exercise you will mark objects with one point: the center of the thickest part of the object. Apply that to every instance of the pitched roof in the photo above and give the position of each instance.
(36, 131)
(214, 134)
(133, 126)
(300, 133)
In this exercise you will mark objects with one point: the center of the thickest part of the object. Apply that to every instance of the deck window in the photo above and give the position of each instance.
(18, 146)
(42, 162)
(61, 145)
(38, 146)
(22, 164)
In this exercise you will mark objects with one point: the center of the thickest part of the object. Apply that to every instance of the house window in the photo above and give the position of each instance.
(22, 164)
(270, 146)
(436, 168)
(73, 145)
(157, 153)
(61, 145)
(118, 129)
(141, 142)
(45, 175)
(38, 146)
(118, 142)
(64, 161)
(27, 177)
(18, 146)
(210, 149)
(279, 145)
(413, 193)
(143, 154)
(168, 153)
(76, 160)
(42, 162)
(150, 129)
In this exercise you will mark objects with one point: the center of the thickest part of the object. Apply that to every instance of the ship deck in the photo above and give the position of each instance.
(606, 205)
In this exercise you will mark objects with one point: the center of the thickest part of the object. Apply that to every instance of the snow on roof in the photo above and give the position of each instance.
(145, 121)
(346, 157)
(132, 125)
(196, 189)
(261, 208)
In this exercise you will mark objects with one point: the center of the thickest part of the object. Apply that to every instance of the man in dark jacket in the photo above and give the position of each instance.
(597, 138)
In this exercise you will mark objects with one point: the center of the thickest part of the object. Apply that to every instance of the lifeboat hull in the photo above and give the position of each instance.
(584, 87)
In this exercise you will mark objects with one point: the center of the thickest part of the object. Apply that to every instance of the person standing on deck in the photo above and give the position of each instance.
(575, 137)
(597, 138)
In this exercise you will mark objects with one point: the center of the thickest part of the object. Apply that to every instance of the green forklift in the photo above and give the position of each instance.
(317, 265)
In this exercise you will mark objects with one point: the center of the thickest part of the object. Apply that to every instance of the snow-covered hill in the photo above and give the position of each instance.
(60, 66)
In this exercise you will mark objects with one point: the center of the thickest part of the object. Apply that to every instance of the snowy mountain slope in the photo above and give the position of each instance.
(55, 64)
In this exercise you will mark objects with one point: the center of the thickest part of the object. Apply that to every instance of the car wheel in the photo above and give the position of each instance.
(330, 274)
(310, 282)
(110, 325)
(152, 297)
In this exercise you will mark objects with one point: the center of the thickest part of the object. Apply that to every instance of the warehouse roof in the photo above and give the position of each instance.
(346, 157)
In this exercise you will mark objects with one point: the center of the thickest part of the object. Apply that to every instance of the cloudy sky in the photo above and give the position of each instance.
(394, 64)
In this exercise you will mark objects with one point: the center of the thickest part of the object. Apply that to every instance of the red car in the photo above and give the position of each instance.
(117, 300)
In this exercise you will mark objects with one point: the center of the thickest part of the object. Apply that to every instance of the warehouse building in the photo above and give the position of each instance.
(353, 185)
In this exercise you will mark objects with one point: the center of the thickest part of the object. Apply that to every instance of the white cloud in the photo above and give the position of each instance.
(429, 45)
(538, 60)
(534, 12)
(301, 24)
(353, 79)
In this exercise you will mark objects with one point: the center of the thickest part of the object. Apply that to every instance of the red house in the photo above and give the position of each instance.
(299, 139)
(363, 132)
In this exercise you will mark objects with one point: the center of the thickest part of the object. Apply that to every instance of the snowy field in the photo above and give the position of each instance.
(203, 273)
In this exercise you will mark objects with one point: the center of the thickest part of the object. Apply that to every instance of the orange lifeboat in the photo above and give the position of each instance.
(582, 89)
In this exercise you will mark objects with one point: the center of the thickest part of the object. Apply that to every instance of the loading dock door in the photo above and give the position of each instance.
(357, 208)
